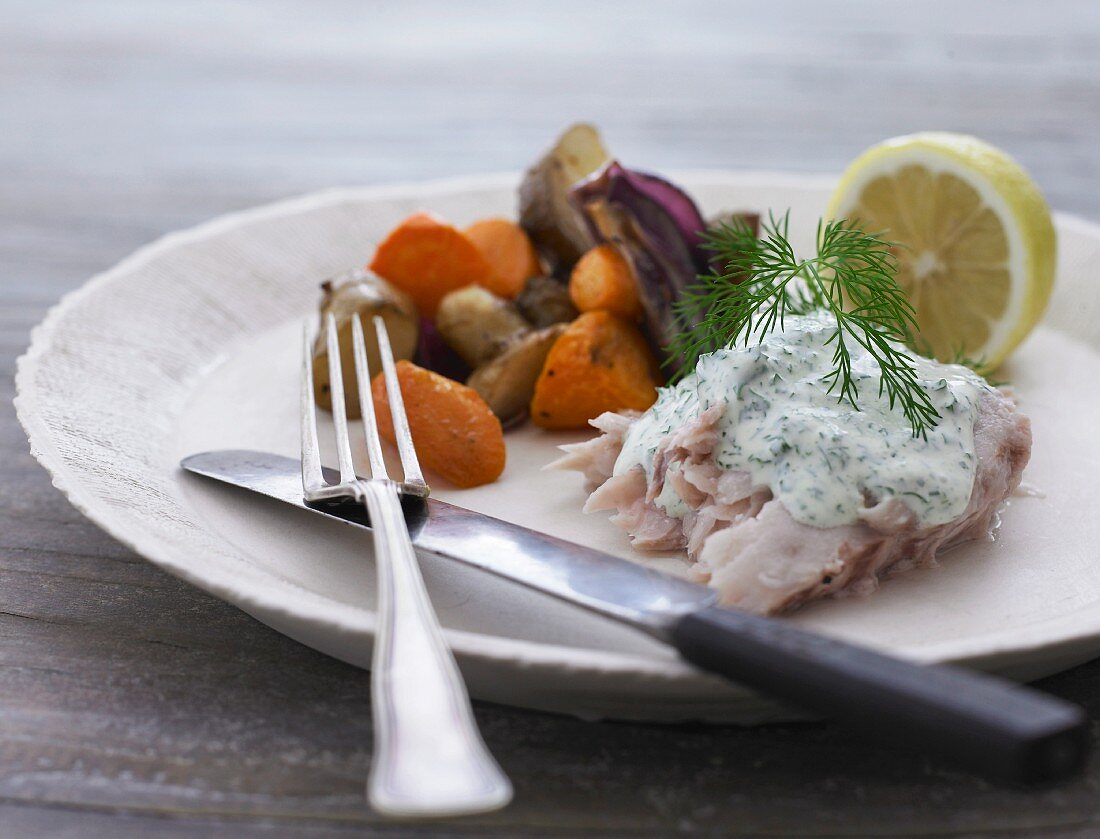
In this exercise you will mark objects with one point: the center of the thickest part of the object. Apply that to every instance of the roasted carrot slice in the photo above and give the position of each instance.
(602, 279)
(453, 430)
(427, 258)
(600, 363)
(509, 251)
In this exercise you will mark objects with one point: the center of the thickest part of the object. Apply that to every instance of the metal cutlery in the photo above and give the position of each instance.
(982, 723)
(429, 759)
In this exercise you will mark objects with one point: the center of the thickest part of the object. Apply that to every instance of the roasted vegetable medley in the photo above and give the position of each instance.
(559, 317)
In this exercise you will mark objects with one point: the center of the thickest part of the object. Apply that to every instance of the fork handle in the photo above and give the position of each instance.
(429, 759)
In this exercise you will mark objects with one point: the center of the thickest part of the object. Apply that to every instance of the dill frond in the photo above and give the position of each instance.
(761, 279)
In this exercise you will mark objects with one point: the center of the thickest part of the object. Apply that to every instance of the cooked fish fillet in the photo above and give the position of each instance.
(746, 544)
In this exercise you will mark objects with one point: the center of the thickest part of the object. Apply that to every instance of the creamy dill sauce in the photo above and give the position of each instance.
(817, 455)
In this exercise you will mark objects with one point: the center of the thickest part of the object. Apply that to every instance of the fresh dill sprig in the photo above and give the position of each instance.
(761, 280)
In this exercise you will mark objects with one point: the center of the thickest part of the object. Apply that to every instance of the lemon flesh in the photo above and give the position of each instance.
(977, 242)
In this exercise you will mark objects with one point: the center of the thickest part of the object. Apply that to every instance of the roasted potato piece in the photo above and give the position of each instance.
(477, 324)
(545, 211)
(365, 294)
(507, 383)
(545, 301)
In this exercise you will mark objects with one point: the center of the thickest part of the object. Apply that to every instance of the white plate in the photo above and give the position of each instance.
(191, 344)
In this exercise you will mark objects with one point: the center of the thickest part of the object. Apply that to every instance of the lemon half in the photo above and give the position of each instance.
(979, 244)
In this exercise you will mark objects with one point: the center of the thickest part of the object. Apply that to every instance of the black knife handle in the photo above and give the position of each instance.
(984, 724)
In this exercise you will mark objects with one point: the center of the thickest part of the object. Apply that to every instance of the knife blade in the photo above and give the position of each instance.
(988, 725)
(606, 584)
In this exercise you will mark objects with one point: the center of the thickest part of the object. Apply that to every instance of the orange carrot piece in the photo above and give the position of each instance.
(453, 430)
(427, 258)
(509, 251)
(600, 363)
(602, 279)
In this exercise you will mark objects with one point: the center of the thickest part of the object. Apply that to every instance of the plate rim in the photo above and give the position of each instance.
(1063, 631)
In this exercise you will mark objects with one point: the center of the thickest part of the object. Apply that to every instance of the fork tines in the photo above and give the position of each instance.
(313, 481)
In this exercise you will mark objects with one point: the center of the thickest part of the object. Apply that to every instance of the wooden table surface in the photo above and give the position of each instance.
(134, 705)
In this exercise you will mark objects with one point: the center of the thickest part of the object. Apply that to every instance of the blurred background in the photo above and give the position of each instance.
(122, 120)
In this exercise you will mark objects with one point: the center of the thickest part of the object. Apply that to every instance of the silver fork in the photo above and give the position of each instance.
(429, 759)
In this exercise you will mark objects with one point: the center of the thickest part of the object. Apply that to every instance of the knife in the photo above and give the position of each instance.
(984, 724)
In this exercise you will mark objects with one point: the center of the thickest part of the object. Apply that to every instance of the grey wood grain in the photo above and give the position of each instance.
(134, 705)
